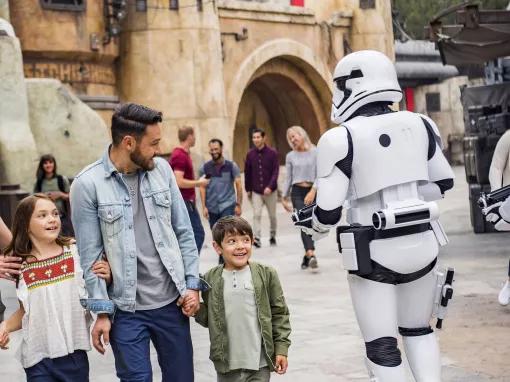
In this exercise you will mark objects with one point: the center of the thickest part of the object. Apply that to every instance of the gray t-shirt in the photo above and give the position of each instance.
(243, 329)
(300, 166)
(220, 192)
(155, 287)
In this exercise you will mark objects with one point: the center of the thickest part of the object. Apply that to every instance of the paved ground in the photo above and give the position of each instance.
(327, 345)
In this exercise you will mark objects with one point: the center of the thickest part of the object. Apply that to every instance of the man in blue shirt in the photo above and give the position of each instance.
(223, 196)
(127, 205)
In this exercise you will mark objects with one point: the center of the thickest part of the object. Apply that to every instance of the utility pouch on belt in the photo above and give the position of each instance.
(354, 245)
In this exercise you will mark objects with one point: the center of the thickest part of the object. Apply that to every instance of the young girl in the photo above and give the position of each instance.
(55, 326)
(56, 186)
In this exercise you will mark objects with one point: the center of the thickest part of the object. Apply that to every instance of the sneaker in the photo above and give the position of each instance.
(272, 241)
(305, 263)
(256, 242)
(312, 262)
(504, 294)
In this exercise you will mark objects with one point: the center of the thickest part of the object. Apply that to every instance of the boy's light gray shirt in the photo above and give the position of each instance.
(244, 337)
(103, 220)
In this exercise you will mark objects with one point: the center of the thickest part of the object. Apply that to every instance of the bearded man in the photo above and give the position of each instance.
(127, 205)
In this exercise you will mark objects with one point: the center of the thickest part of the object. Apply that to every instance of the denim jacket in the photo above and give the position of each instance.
(103, 222)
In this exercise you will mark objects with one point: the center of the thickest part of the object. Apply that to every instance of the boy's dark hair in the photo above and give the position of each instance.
(258, 130)
(233, 225)
(216, 140)
(132, 119)
(184, 132)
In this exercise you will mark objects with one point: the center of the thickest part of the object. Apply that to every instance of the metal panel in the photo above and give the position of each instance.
(64, 5)
(367, 4)
(433, 102)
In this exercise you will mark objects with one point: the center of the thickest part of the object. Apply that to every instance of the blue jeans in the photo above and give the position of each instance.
(73, 367)
(214, 217)
(168, 329)
(196, 224)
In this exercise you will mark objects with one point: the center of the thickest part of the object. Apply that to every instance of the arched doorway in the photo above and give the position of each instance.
(281, 94)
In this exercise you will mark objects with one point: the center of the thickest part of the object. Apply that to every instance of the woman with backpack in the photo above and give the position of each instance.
(56, 186)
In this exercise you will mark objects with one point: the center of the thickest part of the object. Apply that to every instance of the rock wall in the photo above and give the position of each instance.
(18, 152)
(64, 126)
(40, 116)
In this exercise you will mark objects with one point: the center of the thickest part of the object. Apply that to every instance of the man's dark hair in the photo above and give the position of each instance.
(233, 225)
(132, 119)
(258, 130)
(216, 140)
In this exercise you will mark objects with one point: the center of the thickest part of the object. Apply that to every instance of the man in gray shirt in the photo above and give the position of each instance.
(223, 196)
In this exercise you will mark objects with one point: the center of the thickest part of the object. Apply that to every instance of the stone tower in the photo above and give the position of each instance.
(171, 60)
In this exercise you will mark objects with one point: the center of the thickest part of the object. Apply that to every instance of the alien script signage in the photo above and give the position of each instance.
(71, 72)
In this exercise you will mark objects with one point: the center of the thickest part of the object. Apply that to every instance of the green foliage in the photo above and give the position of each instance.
(414, 15)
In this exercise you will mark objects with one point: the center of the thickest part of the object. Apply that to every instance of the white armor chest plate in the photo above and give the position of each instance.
(388, 150)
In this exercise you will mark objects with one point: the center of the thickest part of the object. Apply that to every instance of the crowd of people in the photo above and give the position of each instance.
(221, 189)
(131, 255)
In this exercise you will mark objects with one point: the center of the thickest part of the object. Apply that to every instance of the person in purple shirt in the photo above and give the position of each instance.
(260, 175)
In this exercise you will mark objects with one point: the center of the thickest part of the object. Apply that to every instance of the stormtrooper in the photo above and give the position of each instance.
(496, 208)
(387, 169)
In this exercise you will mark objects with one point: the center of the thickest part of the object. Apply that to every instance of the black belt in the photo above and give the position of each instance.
(376, 234)
(402, 231)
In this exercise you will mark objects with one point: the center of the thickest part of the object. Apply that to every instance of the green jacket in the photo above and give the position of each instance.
(273, 315)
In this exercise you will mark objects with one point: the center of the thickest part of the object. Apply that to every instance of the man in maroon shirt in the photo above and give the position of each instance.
(260, 176)
(183, 169)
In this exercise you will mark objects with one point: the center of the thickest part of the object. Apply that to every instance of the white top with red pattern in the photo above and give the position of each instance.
(54, 324)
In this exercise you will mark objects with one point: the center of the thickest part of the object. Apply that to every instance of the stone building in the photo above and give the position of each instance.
(223, 66)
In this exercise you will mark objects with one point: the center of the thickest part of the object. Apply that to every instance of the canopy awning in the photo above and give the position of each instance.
(480, 35)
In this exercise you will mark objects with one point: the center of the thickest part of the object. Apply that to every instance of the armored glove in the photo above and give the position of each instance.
(493, 215)
(311, 226)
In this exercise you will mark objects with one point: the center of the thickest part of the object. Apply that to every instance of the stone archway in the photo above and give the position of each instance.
(279, 96)
(282, 83)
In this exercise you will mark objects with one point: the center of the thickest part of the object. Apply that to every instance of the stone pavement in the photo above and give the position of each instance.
(327, 345)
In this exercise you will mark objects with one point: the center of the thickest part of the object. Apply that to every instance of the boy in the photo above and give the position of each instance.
(244, 309)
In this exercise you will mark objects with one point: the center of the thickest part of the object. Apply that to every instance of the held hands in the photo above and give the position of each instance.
(493, 216)
(190, 303)
(4, 336)
(101, 328)
(10, 267)
(281, 364)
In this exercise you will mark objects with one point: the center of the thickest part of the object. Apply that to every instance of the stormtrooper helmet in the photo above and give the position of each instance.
(361, 78)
